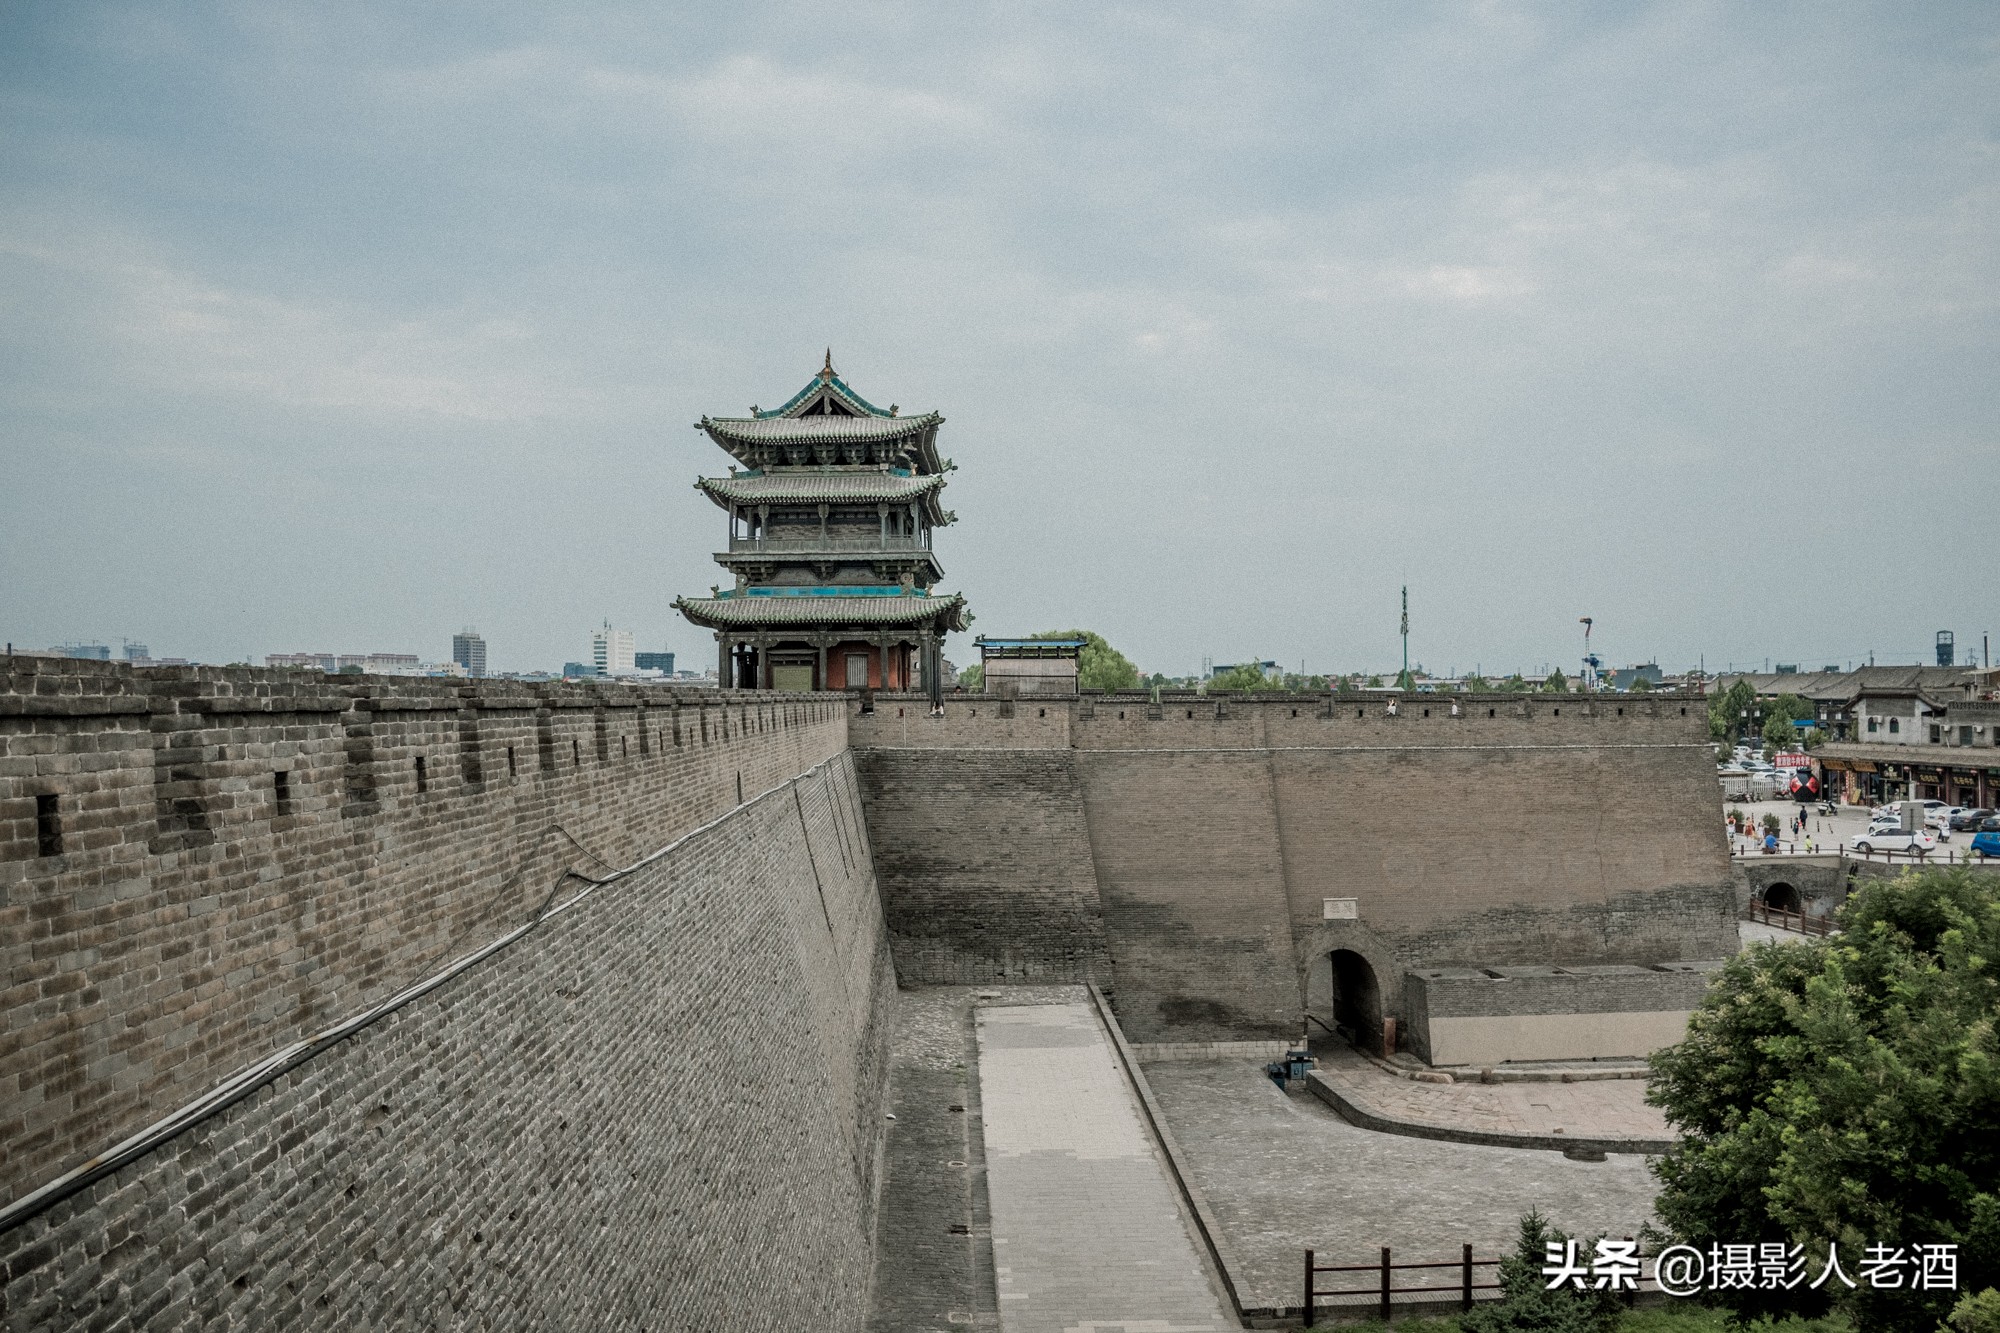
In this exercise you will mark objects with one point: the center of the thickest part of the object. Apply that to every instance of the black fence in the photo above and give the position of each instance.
(1385, 1288)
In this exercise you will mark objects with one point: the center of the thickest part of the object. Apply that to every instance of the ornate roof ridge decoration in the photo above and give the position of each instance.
(829, 380)
(942, 612)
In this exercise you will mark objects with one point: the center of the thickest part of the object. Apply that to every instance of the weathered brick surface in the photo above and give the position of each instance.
(1473, 831)
(661, 1109)
(192, 925)
(984, 864)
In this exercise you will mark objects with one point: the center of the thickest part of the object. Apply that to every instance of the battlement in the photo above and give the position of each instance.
(200, 864)
(1226, 721)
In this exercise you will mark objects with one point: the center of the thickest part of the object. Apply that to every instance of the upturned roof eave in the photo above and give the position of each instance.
(924, 490)
(947, 611)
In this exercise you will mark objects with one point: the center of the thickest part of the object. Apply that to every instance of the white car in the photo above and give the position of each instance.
(1894, 841)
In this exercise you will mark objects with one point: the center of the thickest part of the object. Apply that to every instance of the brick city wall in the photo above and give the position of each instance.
(1467, 831)
(984, 864)
(661, 1108)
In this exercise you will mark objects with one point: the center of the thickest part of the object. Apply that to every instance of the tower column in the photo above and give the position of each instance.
(724, 675)
(820, 642)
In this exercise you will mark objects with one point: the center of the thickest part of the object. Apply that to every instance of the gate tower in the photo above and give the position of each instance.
(831, 509)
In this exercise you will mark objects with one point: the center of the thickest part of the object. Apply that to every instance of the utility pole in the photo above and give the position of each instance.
(1403, 681)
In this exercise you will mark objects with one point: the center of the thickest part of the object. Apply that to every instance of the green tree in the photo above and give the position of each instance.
(1246, 677)
(1847, 1090)
(1374, 682)
(1779, 715)
(1726, 711)
(1557, 683)
(1477, 684)
(1528, 1305)
(973, 678)
(1642, 686)
(1102, 667)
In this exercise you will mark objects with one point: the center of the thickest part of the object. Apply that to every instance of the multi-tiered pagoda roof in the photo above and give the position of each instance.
(832, 504)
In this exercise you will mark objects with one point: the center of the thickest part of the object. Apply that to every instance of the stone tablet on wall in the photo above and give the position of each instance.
(1339, 909)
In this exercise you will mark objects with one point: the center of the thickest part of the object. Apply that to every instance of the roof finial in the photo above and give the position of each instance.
(826, 371)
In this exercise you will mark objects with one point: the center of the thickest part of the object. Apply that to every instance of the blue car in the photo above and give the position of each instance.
(1987, 843)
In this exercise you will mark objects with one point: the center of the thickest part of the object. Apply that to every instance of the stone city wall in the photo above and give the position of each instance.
(1458, 831)
(659, 1108)
(1462, 1016)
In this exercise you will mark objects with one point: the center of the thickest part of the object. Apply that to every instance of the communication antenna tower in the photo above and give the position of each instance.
(1403, 681)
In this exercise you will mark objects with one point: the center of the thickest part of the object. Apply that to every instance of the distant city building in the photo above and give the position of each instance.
(577, 670)
(1269, 669)
(373, 664)
(611, 651)
(89, 652)
(469, 651)
(136, 652)
(1624, 678)
(1947, 648)
(654, 662)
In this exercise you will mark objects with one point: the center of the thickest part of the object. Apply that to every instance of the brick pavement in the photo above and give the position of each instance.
(1088, 1235)
(1599, 1109)
(1283, 1172)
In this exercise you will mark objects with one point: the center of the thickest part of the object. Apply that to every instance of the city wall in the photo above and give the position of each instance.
(1467, 831)
(658, 1107)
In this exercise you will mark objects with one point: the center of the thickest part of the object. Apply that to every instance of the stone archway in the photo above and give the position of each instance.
(1357, 998)
(1369, 964)
(1782, 897)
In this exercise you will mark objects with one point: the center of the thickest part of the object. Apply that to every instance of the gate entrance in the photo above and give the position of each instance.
(1357, 999)
(1781, 898)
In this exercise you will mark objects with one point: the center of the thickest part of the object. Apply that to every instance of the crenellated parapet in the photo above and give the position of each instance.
(200, 864)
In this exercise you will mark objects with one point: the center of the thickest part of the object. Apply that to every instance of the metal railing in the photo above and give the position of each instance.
(1385, 1289)
(847, 545)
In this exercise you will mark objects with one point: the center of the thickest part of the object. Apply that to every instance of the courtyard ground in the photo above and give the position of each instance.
(1283, 1173)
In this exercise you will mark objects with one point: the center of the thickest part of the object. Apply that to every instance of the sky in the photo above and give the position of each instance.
(341, 327)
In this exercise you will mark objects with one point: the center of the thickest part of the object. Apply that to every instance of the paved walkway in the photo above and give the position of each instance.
(1284, 1172)
(1087, 1230)
(1599, 1109)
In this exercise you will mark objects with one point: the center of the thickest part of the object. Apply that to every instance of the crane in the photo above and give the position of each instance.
(1591, 662)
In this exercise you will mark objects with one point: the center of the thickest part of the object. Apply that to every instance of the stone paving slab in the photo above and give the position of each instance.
(1283, 1172)
(1088, 1235)
(1598, 1110)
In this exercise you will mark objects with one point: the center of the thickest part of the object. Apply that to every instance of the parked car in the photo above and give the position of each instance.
(1919, 843)
(1968, 821)
(1986, 842)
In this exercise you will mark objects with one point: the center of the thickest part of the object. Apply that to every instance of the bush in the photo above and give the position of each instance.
(1526, 1301)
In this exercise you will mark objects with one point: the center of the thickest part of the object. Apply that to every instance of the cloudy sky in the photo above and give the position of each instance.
(338, 327)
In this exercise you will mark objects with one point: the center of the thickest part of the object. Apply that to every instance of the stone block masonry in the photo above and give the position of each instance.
(587, 1129)
(1457, 831)
(985, 865)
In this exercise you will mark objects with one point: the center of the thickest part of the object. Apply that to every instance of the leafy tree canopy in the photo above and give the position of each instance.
(1102, 667)
(1848, 1090)
(1779, 733)
(1477, 684)
(1726, 710)
(973, 678)
(1642, 686)
(1557, 683)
